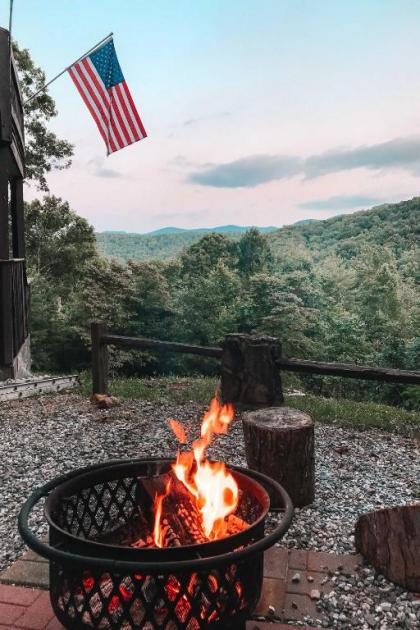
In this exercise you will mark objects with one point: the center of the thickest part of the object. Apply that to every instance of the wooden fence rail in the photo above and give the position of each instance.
(101, 340)
(142, 343)
(347, 370)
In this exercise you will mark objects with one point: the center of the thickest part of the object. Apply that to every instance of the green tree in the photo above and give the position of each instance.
(268, 308)
(204, 256)
(44, 150)
(150, 302)
(376, 294)
(59, 243)
(55, 346)
(254, 254)
(207, 308)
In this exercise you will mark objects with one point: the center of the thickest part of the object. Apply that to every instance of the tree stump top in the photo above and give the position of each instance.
(252, 340)
(279, 418)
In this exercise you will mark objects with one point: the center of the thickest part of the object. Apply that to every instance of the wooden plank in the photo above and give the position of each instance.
(161, 346)
(99, 358)
(349, 371)
(36, 387)
(6, 323)
(18, 221)
(4, 204)
(5, 113)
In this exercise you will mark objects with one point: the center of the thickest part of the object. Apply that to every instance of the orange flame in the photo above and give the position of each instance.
(179, 431)
(157, 506)
(214, 488)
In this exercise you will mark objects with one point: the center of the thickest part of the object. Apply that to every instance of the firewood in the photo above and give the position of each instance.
(181, 521)
(103, 401)
(279, 442)
(143, 542)
(390, 539)
(249, 509)
(235, 524)
(178, 510)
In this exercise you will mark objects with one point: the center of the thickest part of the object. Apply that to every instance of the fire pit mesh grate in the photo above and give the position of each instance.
(108, 511)
(96, 510)
(178, 601)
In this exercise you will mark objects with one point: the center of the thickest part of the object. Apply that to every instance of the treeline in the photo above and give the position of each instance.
(165, 244)
(125, 247)
(357, 304)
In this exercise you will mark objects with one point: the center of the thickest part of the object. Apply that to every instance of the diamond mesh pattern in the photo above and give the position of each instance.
(192, 601)
(98, 509)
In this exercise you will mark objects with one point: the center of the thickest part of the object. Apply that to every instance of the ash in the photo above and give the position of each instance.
(48, 436)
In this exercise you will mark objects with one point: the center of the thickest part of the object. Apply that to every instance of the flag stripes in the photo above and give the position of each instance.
(112, 107)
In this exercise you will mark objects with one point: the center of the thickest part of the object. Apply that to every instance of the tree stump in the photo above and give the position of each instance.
(279, 442)
(390, 540)
(250, 377)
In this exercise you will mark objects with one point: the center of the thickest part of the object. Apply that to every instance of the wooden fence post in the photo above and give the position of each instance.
(250, 376)
(99, 358)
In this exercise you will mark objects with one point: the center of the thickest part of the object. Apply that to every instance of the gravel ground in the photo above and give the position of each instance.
(355, 472)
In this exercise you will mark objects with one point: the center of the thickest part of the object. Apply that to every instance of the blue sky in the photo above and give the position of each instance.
(258, 111)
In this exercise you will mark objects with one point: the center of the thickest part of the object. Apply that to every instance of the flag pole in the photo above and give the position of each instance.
(10, 18)
(44, 87)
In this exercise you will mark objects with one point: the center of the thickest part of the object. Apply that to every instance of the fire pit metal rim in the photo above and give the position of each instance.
(65, 557)
(198, 549)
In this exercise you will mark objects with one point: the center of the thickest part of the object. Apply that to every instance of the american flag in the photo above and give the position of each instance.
(102, 86)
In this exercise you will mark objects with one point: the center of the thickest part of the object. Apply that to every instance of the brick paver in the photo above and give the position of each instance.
(26, 609)
(286, 600)
(10, 612)
(38, 615)
(273, 594)
(298, 559)
(17, 595)
(27, 573)
(275, 563)
(324, 562)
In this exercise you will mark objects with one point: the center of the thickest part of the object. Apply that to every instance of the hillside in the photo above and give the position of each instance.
(221, 229)
(393, 225)
(396, 226)
(162, 244)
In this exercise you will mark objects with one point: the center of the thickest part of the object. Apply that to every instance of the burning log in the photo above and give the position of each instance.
(235, 525)
(181, 519)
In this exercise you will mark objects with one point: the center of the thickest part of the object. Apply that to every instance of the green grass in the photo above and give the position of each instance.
(356, 415)
(337, 412)
(165, 389)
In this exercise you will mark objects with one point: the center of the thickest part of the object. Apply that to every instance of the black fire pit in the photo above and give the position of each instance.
(98, 581)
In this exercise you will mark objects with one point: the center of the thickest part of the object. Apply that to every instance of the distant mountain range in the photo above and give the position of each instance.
(165, 243)
(395, 226)
(220, 229)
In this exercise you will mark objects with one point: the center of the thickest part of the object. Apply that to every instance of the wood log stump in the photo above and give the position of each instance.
(390, 540)
(279, 442)
(250, 377)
